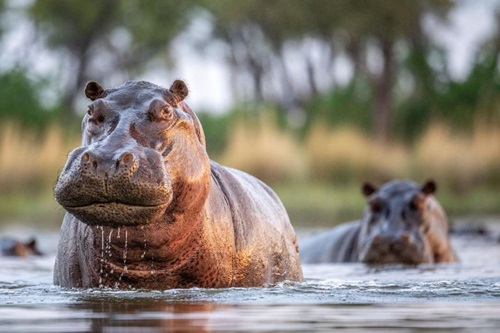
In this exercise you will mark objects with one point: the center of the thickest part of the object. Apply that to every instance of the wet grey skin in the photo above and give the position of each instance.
(402, 224)
(147, 208)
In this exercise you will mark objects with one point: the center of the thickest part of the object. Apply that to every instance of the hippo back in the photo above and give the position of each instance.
(335, 245)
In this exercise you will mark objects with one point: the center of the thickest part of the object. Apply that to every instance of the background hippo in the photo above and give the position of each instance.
(402, 223)
(13, 247)
(146, 208)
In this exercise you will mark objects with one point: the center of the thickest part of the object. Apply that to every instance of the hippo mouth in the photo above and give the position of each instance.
(116, 214)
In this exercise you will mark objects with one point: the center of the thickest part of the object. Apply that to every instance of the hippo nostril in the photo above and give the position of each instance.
(85, 158)
(405, 238)
(127, 158)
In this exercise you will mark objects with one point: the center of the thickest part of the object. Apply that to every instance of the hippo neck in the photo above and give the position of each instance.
(156, 255)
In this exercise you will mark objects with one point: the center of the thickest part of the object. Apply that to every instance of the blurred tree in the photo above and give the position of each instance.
(116, 35)
(259, 34)
(374, 29)
(20, 99)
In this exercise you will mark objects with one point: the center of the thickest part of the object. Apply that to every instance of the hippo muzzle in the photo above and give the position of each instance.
(395, 248)
(103, 187)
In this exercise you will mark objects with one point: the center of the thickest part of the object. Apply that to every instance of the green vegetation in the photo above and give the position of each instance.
(313, 137)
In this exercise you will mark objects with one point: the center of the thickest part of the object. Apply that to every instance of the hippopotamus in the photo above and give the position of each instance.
(147, 208)
(403, 223)
(13, 247)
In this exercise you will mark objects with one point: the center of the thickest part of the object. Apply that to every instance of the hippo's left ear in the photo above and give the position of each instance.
(368, 189)
(429, 187)
(180, 90)
(93, 90)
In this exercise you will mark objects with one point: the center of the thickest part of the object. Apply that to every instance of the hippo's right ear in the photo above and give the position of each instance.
(93, 90)
(429, 187)
(180, 90)
(368, 189)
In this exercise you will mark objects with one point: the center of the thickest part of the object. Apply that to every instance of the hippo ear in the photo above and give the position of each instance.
(31, 243)
(93, 90)
(429, 187)
(368, 189)
(180, 90)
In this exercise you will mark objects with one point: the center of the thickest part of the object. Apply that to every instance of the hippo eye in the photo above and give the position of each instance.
(375, 206)
(167, 112)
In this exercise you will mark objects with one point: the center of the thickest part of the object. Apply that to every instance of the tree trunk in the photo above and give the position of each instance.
(383, 107)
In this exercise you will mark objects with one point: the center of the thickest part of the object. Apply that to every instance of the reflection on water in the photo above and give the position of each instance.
(462, 296)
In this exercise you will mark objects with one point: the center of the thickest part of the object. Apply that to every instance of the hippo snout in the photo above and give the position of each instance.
(128, 187)
(125, 163)
(395, 248)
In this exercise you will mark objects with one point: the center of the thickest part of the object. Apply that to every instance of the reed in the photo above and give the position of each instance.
(264, 150)
(457, 160)
(30, 160)
(318, 177)
(346, 154)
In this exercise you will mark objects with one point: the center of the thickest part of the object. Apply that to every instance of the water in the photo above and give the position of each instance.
(459, 297)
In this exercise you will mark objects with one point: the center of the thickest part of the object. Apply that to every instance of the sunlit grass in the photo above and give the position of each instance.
(318, 178)
(264, 150)
(29, 163)
(459, 161)
(347, 154)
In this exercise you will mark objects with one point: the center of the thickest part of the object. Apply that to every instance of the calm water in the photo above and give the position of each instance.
(463, 297)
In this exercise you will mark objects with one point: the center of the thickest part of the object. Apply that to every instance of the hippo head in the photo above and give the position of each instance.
(396, 226)
(142, 157)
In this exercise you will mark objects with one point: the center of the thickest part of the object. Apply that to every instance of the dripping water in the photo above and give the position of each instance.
(124, 255)
(102, 255)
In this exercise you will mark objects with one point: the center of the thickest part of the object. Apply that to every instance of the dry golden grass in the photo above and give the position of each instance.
(29, 159)
(346, 154)
(319, 177)
(264, 150)
(458, 160)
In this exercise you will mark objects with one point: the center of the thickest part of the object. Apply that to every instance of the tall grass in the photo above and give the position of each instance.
(347, 155)
(30, 160)
(264, 150)
(317, 177)
(459, 161)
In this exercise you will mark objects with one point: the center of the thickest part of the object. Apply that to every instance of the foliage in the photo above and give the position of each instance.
(125, 34)
(20, 99)
(216, 128)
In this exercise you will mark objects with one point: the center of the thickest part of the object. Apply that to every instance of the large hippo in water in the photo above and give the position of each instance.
(403, 223)
(146, 208)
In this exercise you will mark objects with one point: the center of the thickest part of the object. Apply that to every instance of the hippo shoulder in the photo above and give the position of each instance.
(338, 244)
(243, 191)
(255, 209)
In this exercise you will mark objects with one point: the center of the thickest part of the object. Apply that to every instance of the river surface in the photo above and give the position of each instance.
(459, 297)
